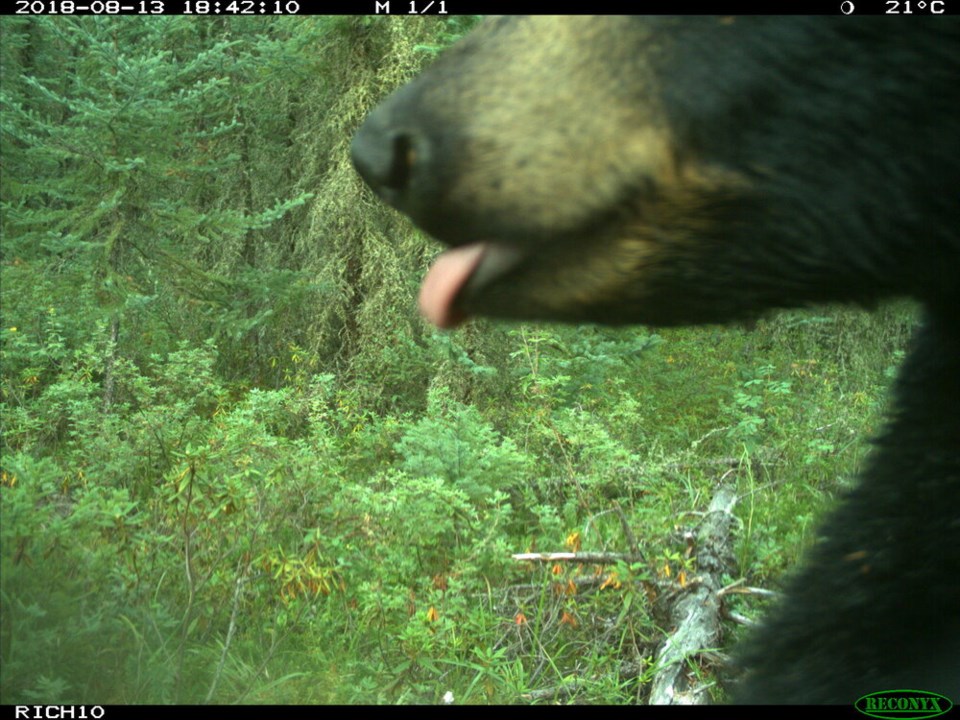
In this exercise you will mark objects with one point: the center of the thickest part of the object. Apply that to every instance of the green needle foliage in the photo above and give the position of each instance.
(237, 467)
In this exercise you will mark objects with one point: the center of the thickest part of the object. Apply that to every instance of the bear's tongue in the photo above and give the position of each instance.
(445, 278)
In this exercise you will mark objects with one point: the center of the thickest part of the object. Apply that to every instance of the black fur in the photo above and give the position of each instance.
(674, 171)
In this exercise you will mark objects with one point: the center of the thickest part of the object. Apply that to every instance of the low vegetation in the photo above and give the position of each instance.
(236, 466)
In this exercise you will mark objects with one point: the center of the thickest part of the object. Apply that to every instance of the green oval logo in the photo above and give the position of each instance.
(898, 704)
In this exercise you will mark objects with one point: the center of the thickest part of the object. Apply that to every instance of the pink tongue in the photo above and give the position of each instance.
(444, 280)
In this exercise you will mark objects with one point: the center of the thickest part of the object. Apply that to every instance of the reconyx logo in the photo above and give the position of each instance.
(899, 704)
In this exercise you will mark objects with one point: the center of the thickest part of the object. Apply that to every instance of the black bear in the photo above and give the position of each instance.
(694, 170)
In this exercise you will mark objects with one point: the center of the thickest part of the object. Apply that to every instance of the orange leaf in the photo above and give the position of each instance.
(613, 580)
